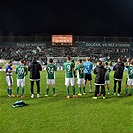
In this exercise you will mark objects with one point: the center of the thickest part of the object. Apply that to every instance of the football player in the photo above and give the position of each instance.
(80, 77)
(88, 66)
(69, 76)
(107, 81)
(51, 68)
(130, 79)
(21, 72)
(9, 78)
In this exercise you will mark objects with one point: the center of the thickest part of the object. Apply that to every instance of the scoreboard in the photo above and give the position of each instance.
(62, 40)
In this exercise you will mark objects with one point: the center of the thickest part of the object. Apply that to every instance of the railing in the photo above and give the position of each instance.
(75, 39)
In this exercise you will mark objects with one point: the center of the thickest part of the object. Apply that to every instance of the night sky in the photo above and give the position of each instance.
(86, 17)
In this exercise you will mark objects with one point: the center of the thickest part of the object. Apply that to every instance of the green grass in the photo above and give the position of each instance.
(61, 115)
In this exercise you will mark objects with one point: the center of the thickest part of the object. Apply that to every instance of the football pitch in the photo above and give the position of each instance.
(60, 115)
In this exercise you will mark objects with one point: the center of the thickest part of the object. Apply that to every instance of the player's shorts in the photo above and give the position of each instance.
(69, 81)
(88, 77)
(50, 81)
(9, 80)
(107, 82)
(130, 82)
(80, 81)
(21, 82)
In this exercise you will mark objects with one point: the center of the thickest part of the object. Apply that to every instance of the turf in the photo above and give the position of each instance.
(61, 115)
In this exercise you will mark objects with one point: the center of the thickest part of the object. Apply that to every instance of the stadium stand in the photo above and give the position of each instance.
(25, 47)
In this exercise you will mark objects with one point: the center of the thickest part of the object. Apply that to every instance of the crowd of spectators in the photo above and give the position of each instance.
(17, 53)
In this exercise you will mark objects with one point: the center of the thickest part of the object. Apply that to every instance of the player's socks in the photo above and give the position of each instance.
(126, 91)
(47, 91)
(11, 92)
(90, 88)
(8, 91)
(131, 91)
(17, 90)
(67, 91)
(53, 91)
(22, 91)
(108, 91)
(73, 88)
(83, 89)
(79, 88)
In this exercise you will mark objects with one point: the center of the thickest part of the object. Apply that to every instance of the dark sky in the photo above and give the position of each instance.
(86, 17)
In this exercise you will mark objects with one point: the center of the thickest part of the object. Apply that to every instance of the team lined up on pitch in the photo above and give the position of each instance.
(84, 74)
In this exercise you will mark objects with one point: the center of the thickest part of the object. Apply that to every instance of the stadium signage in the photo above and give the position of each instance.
(30, 44)
(61, 38)
(100, 44)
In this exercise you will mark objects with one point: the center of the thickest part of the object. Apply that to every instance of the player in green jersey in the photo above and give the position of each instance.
(51, 68)
(69, 76)
(107, 82)
(130, 78)
(80, 77)
(21, 72)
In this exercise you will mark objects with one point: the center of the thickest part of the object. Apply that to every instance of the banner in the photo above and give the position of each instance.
(23, 44)
(105, 44)
(32, 44)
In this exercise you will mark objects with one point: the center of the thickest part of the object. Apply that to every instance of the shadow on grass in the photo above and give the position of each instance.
(85, 99)
(20, 106)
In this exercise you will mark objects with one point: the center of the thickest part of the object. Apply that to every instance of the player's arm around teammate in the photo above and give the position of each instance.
(107, 77)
